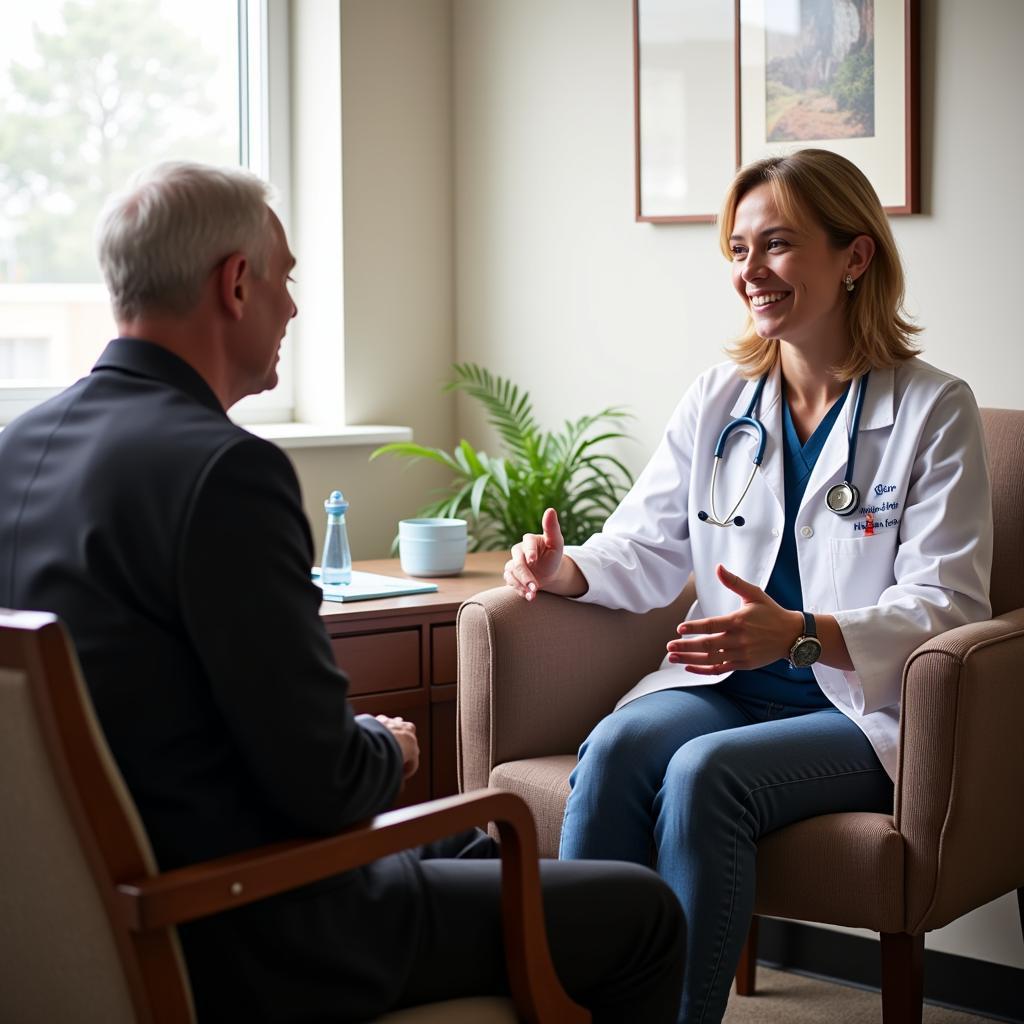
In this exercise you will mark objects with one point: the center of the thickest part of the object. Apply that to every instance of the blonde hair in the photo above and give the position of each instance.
(160, 239)
(817, 185)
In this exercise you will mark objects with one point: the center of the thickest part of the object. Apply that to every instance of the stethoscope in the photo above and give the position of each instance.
(842, 498)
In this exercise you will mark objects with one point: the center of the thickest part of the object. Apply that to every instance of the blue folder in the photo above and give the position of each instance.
(367, 585)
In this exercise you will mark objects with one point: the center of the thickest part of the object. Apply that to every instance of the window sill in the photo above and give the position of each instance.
(307, 435)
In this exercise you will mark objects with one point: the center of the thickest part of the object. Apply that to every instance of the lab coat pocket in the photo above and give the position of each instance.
(862, 567)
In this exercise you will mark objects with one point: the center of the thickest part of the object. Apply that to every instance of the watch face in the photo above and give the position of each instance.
(806, 652)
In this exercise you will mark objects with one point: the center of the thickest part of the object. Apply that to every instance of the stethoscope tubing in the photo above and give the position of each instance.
(750, 419)
(851, 456)
(731, 517)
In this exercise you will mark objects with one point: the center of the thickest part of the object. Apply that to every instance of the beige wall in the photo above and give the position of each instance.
(398, 287)
(558, 288)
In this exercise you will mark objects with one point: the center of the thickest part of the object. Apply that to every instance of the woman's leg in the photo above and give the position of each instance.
(721, 793)
(622, 764)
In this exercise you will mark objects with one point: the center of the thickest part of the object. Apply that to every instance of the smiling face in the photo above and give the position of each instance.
(789, 275)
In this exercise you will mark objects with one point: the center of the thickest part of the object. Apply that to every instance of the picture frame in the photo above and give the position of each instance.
(840, 75)
(685, 114)
(713, 77)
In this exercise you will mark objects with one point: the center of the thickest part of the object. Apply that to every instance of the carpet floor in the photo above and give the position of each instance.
(784, 998)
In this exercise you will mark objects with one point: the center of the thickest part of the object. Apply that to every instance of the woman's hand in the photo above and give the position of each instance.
(537, 563)
(759, 632)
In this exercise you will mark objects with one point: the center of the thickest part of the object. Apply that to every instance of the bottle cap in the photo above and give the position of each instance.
(336, 502)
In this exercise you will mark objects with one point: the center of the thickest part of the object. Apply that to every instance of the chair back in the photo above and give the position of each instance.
(71, 835)
(1004, 439)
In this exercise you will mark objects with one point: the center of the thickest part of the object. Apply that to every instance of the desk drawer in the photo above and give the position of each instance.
(378, 662)
(443, 662)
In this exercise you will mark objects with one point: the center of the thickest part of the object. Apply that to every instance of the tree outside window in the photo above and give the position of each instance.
(91, 90)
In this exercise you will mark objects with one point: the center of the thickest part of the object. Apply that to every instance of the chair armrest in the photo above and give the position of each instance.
(535, 677)
(199, 890)
(961, 770)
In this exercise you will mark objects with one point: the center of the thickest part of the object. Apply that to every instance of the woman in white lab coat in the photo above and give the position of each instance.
(863, 529)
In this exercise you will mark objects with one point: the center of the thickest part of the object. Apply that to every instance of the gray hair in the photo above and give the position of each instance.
(160, 239)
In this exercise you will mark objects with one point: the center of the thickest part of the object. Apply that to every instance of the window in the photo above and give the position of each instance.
(91, 90)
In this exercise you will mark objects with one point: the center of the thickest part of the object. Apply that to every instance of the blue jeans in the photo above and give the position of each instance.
(687, 781)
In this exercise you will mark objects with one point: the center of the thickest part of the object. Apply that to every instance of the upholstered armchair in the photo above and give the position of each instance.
(535, 678)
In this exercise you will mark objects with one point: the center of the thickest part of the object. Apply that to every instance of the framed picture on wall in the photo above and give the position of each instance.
(684, 94)
(718, 83)
(833, 74)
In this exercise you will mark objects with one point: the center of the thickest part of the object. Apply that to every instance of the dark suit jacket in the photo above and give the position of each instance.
(173, 545)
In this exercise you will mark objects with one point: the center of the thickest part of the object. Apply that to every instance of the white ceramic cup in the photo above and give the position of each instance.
(432, 547)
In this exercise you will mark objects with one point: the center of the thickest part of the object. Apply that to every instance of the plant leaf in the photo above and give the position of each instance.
(510, 413)
(417, 451)
(500, 470)
(472, 461)
(570, 470)
(479, 485)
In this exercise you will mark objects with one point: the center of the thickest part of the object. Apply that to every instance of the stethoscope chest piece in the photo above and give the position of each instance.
(843, 499)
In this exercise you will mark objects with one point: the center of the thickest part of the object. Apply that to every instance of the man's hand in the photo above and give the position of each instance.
(759, 632)
(537, 563)
(405, 733)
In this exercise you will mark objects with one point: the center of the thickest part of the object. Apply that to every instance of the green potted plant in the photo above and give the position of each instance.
(504, 496)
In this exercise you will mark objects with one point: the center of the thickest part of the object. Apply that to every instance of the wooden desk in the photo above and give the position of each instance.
(399, 656)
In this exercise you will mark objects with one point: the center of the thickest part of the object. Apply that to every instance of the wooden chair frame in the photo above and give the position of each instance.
(143, 904)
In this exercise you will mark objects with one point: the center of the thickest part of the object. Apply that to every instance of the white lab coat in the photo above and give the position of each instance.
(921, 469)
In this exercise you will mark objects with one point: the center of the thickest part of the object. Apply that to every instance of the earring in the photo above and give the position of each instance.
(848, 281)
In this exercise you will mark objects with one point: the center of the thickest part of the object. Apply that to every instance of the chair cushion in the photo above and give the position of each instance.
(543, 782)
(837, 868)
(489, 1010)
(58, 953)
(798, 867)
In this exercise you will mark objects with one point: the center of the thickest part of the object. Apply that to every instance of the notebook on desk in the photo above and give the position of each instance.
(367, 585)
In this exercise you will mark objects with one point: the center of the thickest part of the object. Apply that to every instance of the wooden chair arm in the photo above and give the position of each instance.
(961, 770)
(199, 890)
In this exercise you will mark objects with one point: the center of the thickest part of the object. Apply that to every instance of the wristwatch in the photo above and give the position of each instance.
(806, 649)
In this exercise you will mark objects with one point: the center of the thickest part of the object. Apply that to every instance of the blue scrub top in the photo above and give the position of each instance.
(779, 682)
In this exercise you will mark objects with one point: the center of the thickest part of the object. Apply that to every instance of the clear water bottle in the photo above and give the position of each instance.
(336, 564)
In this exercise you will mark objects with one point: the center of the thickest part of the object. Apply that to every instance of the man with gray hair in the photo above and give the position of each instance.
(173, 544)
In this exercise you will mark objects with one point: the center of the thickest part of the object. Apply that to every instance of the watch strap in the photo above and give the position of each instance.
(807, 639)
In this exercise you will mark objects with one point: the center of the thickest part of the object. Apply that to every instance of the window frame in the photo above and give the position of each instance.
(265, 131)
